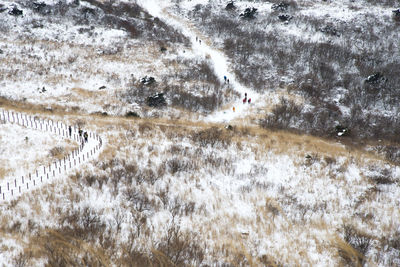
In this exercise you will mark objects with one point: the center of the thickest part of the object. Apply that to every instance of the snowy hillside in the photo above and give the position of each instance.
(245, 133)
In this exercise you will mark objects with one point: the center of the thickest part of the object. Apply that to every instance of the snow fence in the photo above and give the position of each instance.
(12, 187)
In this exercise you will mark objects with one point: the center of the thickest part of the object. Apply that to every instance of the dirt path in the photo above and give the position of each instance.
(201, 46)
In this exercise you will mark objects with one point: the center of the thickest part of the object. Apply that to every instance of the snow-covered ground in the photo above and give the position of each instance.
(172, 191)
(24, 149)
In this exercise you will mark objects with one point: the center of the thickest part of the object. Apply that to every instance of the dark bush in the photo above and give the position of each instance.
(132, 114)
(284, 115)
(359, 241)
(181, 248)
(211, 137)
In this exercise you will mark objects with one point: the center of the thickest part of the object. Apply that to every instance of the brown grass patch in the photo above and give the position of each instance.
(4, 172)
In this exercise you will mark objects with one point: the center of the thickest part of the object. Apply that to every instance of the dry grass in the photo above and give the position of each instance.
(4, 172)
(346, 252)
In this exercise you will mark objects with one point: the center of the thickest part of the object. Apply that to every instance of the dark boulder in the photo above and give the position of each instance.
(147, 80)
(102, 87)
(163, 49)
(41, 8)
(15, 11)
(282, 6)
(2, 8)
(230, 6)
(87, 11)
(285, 17)
(38, 5)
(132, 114)
(157, 100)
(330, 30)
(341, 130)
(248, 13)
(229, 127)
(396, 14)
(375, 78)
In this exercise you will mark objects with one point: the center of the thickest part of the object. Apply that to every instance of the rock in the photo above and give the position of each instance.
(39, 5)
(1, 52)
(15, 11)
(229, 127)
(285, 17)
(147, 80)
(2, 8)
(249, 13)
(375, 78)
(132, 114)
(88, 12)
(100, 113)
(282, 6)
(341, 130)
(396, 14)
(157, 100)
(329, 29)
(37, 24)
(163, 49)
(41, 8)
(230, 6)
(102, 87)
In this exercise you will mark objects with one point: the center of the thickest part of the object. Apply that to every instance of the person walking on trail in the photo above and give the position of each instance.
(249, 101)
(199, 41)
(70, 130)
(225, 79)
(245, 98)
(80, 132)
(233, 109)
(85, 135)
(196, 38)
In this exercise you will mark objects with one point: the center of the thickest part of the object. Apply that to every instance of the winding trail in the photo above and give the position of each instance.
(159, 9)
(12, 187)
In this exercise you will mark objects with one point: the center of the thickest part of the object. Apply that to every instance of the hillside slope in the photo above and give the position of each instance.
(188, 181)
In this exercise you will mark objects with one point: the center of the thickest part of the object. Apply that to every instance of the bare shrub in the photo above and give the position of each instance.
(57, 152)
(179, 207)
(145, 127)
(211, 137)
(394, 241)
(176, 165)
(61, 249)
(330, 160)
(197, 103)
(283, 116)
(22, 259)
(359, 241)
(83, 223)
(138, 200)
(181, 248)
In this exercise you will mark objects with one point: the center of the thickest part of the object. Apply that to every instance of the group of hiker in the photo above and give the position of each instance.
(226, 80)
(245, 100)
(198, 40)
(83, 136)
